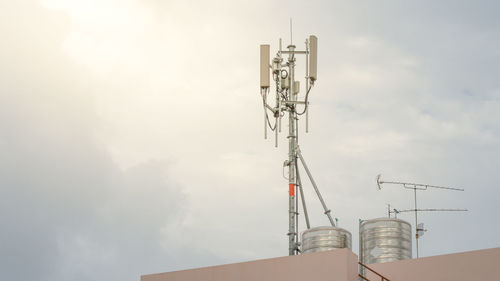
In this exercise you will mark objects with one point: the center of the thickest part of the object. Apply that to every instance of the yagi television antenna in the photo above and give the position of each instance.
(419, 227)
(287, 102)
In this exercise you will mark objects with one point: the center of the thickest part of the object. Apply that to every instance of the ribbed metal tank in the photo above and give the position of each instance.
(324, 238)
(384, 240)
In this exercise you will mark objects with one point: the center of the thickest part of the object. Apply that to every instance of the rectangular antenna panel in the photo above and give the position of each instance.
(285, 83)
(313, 57)
(296, 87)
(264, 66)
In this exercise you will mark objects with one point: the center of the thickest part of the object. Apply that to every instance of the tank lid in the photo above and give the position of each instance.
(326, 227)
(384, 219)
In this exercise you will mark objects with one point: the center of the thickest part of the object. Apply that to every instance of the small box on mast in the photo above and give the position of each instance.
(264, 66)
(285, 83)
(296, 87)
(313, 57)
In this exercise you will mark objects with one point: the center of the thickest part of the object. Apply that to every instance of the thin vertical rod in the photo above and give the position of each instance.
(265, 115)
(327, 211)
(416, 220)
(307, 118)
(279, 115)
(277, 91)
(307, 84)
(276, 118)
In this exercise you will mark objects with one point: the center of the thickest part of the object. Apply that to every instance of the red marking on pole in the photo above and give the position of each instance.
(291, 190)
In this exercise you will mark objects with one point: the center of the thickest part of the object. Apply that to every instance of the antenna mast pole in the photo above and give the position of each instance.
(416, 220)
(292, 134)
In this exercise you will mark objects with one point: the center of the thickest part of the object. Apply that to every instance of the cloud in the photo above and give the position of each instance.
(69, 212)
(131, 132)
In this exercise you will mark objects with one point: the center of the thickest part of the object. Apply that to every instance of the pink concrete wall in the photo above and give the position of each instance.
(336, 265)
(466, 266)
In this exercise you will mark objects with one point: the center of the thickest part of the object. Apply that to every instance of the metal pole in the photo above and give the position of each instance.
(297, 238)
(277, 90)
(276, 119)
(416, 220)
(302, 198)
(327, 211)
(307, 84)
(361, 269)
(265, 114)
(292, 245)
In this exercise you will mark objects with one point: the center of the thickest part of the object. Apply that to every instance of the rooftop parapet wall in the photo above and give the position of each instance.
(465, 266)
(342, 265)
(335, 265)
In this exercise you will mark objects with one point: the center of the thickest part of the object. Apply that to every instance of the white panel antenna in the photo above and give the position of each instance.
(313, 57)
(264, 66)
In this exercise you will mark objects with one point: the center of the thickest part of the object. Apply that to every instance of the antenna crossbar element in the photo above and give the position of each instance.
(295, 52)
(428, 210)
(419, 186)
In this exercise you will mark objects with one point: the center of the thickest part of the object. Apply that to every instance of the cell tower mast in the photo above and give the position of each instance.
(287, 101)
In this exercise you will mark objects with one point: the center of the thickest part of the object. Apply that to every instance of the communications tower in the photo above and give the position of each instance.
(286, 102)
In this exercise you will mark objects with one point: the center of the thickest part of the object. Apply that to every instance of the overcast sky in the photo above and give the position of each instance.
(131, 137)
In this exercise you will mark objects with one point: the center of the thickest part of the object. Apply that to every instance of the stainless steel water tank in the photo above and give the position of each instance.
(324, 238)
(384, 240)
